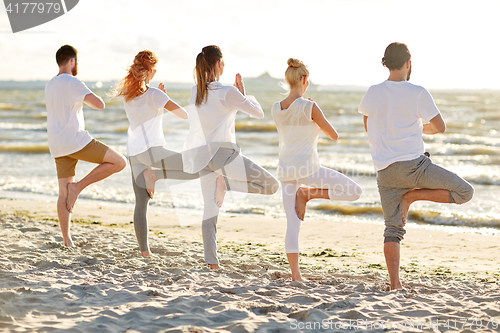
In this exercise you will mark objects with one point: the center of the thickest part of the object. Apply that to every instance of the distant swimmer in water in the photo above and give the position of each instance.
(68, 140)
(299, 122)
(393, 112)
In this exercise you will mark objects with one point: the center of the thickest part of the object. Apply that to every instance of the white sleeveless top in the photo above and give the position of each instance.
(298, 135)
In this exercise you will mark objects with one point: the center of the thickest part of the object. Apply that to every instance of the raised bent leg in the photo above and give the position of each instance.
(304, 195)
(112, 162)
(170, 164)
(326, 184)
(435, 177)
(441, 196)
(244, 175)
(437, 184)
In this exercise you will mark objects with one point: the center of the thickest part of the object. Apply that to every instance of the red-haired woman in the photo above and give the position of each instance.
(211, 143)
(144, 106)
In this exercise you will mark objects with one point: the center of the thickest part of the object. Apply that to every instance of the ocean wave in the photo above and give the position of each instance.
(15, 107)
(24, 126)
(26, 149)
(247, 126)
(423, 216)
(247, 210)
(352, 142)
(40, 115)
(465, 149)
(45, 188)
(469, 139)
(483, 179)
(438, 218)
(331, 208)
(123, 129)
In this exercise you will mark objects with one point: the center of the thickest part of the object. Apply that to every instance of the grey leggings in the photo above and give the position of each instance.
(170, 163)
(241, 175)
(401, 177)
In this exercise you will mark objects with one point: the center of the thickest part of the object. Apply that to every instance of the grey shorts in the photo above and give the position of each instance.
(400, 177)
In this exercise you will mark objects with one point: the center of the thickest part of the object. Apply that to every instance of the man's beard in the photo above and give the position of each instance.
(74, 71)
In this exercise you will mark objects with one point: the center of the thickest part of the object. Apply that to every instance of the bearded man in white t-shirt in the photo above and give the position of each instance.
(394, 114)
(68, 140)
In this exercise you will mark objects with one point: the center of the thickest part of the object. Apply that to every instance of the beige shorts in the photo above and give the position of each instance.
(93, 152)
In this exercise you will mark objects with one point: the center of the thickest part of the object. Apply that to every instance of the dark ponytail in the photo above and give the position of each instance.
(206, 61)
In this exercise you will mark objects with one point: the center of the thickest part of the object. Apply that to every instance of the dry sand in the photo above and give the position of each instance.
(452, 275)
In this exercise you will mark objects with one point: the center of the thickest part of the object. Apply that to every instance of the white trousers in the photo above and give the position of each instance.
(340, 187)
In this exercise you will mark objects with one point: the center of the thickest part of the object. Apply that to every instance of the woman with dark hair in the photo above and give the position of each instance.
(144, 106)
(211, 143)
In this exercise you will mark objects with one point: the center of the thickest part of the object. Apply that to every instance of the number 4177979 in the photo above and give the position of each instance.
(34, 7)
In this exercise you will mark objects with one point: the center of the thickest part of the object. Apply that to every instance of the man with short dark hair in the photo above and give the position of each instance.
(393, 112)
(68, 140)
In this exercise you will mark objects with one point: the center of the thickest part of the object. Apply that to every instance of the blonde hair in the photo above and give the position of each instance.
(295, 72)
(204, 71)
(134, 84)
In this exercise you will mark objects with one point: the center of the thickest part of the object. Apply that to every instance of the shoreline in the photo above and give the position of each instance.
(330, 241)
(104, 285)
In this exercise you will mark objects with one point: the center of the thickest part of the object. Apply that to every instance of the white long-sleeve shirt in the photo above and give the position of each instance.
(211, 125)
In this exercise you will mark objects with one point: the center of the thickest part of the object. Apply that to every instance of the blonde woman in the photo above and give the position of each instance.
(299, 122)
(211, 143)
(144, 107)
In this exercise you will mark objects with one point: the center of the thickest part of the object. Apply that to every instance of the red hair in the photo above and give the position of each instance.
(134, 84)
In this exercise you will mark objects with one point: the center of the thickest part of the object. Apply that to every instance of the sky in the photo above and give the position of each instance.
(454, 44)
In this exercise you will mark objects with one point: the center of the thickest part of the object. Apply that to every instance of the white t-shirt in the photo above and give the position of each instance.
(395, 111)
(64, 95)
(145, 114)
(211, 125)
(298, 133)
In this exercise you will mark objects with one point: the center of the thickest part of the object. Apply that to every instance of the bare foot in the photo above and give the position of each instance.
(298, 279)
(72, 196)
(405, 207)
(148, 254)
(150, 178)
(220, 192)
(300, 203)
(214, 266)
(69, 243)
(398, 286)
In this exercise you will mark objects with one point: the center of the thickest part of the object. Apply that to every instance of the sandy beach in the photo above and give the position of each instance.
(452, 275)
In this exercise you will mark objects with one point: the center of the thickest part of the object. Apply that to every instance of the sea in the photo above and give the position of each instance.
(470, 147)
